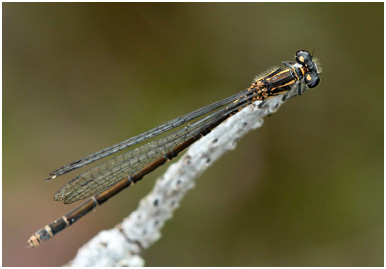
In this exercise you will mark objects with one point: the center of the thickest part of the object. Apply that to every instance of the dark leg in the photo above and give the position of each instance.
(300, 89)
(261, 104)
(285, 97)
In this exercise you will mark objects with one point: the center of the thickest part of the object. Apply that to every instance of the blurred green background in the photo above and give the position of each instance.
(304, 190)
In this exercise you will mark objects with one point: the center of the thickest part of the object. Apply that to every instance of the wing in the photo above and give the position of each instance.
(114, 170)
(144, 136)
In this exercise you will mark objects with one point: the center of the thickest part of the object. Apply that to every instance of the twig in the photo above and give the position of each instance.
(122, 245)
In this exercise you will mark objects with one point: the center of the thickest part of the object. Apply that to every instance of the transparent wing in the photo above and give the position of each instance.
(144, 136)
(114, 170)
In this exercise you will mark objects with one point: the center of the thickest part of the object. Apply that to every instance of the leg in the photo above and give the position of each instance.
(300, 89)
(285, 96)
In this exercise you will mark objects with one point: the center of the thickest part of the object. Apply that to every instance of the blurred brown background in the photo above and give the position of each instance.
(304, 190)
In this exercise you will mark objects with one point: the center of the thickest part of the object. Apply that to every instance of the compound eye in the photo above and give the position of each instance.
(312, 79)
(303, 57)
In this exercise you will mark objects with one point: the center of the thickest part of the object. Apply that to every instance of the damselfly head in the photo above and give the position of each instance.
(311, 77)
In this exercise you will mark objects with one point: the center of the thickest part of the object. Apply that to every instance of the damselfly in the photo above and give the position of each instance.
(110, 177)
